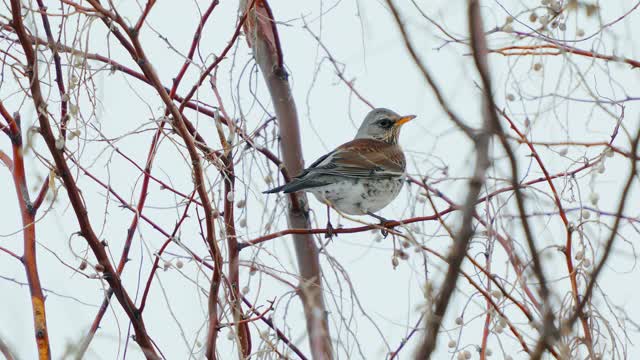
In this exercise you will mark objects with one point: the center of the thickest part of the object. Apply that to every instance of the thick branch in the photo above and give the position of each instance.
(62, 169)
(466, 231)
(263, 38)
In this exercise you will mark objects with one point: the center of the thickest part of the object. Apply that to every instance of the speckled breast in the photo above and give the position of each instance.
(359, 196)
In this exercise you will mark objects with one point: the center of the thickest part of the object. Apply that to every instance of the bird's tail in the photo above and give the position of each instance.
(275, 189)
(296, 185)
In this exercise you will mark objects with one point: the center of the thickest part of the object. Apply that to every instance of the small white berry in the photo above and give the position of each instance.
(594, 197)
(452, 344)
(60, 143)
(245, 290)
(503, 322)
(395, 262)
(609, 152)
(586, 214)
(241, 203)
(459, 320)
(544, 20)
(179, 264)
(73, 134)
(579, 255)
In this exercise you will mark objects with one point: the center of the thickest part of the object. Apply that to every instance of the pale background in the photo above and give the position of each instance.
(362, 36)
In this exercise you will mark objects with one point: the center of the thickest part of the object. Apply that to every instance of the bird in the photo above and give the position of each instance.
(359, 177)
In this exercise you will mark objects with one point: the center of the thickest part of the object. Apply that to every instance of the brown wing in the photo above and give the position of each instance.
(362, 158)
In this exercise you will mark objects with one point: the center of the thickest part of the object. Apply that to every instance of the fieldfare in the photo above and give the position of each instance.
(361, 176)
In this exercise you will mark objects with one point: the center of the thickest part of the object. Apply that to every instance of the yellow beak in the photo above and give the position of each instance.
(404, 120)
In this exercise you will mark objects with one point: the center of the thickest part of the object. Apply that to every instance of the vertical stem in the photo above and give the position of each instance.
(263, 37)
(37, 297)
(27, 211)
(242, 328)
(466, 232)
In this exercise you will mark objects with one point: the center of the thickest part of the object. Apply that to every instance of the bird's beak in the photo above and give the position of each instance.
(404, 120)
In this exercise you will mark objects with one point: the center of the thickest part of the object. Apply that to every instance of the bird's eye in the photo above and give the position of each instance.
(385, 123)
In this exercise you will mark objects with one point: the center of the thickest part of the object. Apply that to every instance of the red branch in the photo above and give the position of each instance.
(73, 192)
(28, 214)
(568, 229)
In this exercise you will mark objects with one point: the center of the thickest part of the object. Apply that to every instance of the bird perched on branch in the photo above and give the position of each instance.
(362, 176)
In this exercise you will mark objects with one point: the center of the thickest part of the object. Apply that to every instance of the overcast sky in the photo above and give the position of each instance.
(372, 305)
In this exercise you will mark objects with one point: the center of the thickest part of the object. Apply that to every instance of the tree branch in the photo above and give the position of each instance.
(260, 30)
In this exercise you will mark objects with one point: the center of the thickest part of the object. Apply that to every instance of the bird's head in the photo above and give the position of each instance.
(382, 124)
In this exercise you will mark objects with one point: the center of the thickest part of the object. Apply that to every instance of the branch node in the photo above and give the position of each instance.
(280, 72)
(30, 208)
(133, 31)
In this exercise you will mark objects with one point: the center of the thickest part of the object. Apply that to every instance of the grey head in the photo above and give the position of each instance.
(382, 124)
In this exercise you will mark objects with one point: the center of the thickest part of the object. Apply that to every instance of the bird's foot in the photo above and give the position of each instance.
(385, 223)
(388, 225)
(330, 231)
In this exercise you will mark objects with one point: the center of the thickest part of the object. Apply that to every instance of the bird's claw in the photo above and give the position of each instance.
(386, 226)
(330, 231)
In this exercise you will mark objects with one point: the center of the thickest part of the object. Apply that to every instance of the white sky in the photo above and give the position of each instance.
(363, 288)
